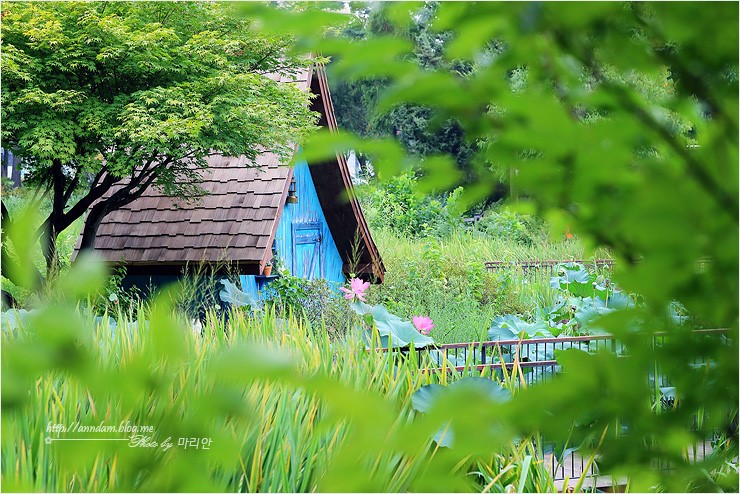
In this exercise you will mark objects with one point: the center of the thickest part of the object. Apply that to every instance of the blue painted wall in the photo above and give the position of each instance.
(303, 240)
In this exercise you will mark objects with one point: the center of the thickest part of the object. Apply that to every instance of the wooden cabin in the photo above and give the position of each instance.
(307, 216)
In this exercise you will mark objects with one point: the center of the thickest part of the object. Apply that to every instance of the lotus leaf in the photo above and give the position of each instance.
(391, 328)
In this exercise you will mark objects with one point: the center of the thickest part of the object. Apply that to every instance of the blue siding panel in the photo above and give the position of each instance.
(307, 211)
(249, 285)
(304, 219)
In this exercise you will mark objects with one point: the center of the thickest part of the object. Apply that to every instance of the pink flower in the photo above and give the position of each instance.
(423, 324)
(356, 289)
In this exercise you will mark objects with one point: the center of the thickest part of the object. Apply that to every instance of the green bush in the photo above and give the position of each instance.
(509, 226)
(6, 185)
(397, 205)
(286, 292)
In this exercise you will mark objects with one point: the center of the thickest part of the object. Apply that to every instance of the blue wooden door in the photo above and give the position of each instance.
(307, 241)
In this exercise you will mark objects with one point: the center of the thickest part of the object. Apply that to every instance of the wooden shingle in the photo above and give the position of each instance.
(216, 227)
(237, 219)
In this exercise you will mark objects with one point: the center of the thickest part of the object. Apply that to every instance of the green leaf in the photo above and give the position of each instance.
(526, 464)
(234, 296)
(393, 330)
(574, 278)
(423, 398)
(510, 327)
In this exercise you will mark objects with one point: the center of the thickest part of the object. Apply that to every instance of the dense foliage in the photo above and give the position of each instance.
(398, 206)
(593, 154)
(415, 126)
(650, 174)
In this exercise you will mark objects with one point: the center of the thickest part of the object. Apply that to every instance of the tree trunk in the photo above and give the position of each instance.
(92, 222)
(49, 240)
(49, 247)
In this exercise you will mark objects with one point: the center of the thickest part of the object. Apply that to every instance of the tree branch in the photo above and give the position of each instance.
(82, 205)
(97, 178)
(115, 201)
(256, 64)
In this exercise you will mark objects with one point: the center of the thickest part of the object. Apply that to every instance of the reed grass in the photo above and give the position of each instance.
(287, 411)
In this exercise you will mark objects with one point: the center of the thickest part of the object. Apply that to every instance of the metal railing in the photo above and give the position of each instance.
(540, 264)
(534, 361)
(536, 355)
(540, 271)
(546, 267)
(543, 269)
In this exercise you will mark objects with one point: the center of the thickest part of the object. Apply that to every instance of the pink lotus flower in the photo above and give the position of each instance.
(423, 324)
(356, 289)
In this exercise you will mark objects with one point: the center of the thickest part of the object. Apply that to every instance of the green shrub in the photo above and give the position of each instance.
(286, 292)
(397, 205)
(509, 226)
(6, 185)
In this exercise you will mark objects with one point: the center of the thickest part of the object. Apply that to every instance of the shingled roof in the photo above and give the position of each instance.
(235, 223)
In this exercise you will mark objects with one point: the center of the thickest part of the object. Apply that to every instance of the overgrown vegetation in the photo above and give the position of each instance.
(271, 405)
(589, 143)
(397, 206)
(435, 266)
(585, 149)
(436, 262)
(447, 280)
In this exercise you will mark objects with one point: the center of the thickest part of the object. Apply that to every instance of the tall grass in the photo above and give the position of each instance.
(446, 279)
(467, 245)
(286, 410)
